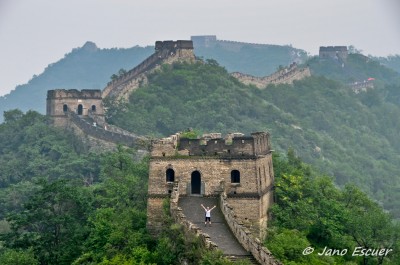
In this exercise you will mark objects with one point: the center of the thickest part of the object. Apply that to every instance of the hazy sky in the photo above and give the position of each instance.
(35, 33)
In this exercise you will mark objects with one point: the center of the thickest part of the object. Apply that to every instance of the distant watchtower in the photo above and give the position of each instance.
(82, 103)
(333, 52)
(240, 166)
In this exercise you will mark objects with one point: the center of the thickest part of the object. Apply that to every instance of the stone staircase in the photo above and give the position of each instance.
(219, 231)
(248, 257)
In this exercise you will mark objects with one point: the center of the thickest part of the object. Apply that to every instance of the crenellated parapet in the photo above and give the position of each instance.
(80, 101)
(284, 76)
(333, 52)
(232, 145)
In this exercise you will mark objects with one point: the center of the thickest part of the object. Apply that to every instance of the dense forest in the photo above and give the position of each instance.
(63, 205)
(352, 137)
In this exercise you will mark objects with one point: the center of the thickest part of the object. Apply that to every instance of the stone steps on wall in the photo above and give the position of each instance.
(219, 231)
(238, 258)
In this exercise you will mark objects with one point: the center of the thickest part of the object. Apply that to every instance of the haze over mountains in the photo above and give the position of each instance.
(90, 67)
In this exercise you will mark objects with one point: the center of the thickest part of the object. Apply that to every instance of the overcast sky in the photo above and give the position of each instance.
(35, 33)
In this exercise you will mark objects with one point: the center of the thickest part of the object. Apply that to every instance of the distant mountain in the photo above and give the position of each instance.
(90, 67)
(392, 61)
(249, 58)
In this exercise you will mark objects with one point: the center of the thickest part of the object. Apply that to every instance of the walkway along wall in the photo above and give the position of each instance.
(166, 52)
(244, 236)
(101, 133)
(284, 76)
(180, 218)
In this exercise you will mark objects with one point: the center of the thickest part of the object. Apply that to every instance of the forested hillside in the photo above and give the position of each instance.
(61, 205)
(352, 137)
(392, 61)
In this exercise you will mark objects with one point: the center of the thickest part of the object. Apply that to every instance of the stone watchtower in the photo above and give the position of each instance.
(237, 165)
(333, 52)
(82, 103)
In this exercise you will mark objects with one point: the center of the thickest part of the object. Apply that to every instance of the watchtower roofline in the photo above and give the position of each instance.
(234, 144)
(59, 101)
(74, 94)
(333, 52)
(171, 45)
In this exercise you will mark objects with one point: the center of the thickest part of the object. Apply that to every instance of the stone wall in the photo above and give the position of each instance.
(231, 146)
(284, 76)
(155, 214)
(165, 52)
(244, 235)
(101, 133)
(212, 172)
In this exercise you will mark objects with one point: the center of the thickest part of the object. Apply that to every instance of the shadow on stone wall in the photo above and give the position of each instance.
(244, 236)
(100, 133)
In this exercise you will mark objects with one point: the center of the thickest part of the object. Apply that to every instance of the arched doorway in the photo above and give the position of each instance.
(94, 108)
(65, 107)
(80, 109)
(196, 182)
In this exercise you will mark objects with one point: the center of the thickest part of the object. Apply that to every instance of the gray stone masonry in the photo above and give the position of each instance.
(219, 231)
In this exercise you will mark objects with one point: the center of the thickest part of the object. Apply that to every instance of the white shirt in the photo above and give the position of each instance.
(208, 213)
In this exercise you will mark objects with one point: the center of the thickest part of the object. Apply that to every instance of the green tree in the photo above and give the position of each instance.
(18, 257)
(53, 223)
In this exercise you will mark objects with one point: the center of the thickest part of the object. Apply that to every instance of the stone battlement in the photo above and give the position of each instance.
(213, 145)
(74, 93)
(59, 101)
(333, 52)
(284, 76)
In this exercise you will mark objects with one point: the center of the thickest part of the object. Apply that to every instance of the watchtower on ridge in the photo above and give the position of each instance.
(82, 103)
(239, 166)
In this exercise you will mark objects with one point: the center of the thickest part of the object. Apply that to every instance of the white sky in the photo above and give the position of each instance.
(35, 33)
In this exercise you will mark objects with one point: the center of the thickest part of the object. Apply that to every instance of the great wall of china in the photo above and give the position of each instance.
(82, 111)
(284, 76)
(166, 52)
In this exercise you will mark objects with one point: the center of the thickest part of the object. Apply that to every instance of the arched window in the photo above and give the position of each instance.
(170, 175)
(94, 108)
(80, 109)
(65, 108)
(235, 176)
